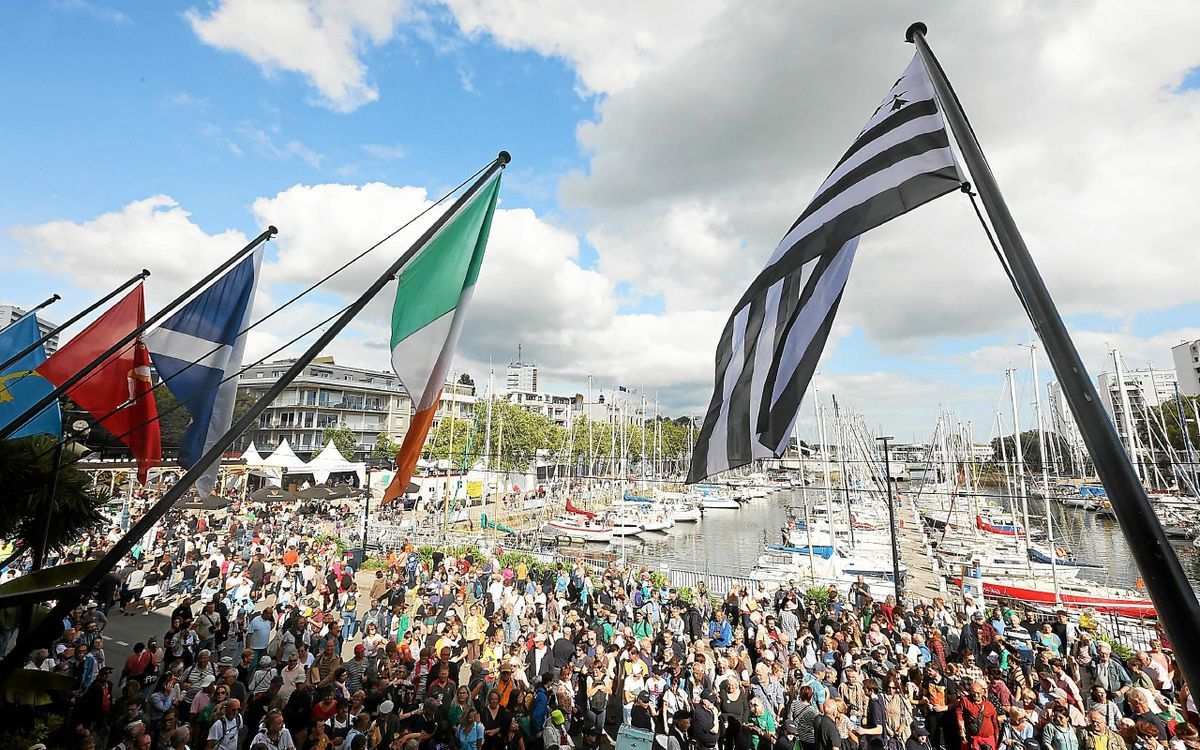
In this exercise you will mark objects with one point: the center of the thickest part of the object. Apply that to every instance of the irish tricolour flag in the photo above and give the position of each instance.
(431, 303)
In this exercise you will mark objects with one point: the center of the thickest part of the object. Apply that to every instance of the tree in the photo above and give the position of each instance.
(385, 447)
(26, 467)
(1032, 454)
(173, 418)
(343, 439)
(465, 379)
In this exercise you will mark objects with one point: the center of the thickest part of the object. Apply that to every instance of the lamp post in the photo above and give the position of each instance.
(887, 477)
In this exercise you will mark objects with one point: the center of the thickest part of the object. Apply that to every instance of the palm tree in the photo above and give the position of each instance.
(26, 467)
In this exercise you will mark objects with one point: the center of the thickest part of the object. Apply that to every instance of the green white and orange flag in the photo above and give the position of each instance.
(431, 304)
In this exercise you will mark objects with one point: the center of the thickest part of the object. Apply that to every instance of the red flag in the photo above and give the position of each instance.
(117, 392)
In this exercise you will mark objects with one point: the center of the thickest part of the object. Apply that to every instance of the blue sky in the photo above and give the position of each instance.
(659, 153)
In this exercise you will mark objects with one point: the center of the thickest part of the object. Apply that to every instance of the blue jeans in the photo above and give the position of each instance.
(349, 626)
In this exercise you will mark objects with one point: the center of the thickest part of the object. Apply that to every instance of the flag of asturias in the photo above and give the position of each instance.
(117, 392)
(20, 385)
(198, 354)
(431, 300)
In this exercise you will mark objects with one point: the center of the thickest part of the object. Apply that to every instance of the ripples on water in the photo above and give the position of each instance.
(730, 541)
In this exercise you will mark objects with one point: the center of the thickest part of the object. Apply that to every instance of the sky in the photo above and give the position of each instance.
(660, 150)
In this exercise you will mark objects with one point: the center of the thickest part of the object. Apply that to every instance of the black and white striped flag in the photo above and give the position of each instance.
(774, 338)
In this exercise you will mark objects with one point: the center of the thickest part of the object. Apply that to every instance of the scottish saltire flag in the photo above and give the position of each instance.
(198, 353)
(20, 386)
(771, 344)
(432, 297)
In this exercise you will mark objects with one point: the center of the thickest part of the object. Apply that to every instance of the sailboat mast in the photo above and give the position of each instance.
(1127, 418)
(824, 462)
(1037, 406)
(1008, 484)
(1020, 467)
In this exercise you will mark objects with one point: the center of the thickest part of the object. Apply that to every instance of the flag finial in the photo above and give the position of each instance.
(918, 27)
(504, 157)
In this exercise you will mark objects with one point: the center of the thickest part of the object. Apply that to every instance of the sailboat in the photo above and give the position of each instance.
(579, 524)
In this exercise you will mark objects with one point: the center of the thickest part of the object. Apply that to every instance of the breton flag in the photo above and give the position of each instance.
(770, 346)
(431, 302)
(20, 385)
(198, 354)
(117, 392)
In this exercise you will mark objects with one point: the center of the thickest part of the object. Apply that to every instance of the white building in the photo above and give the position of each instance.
(10, 314)
(521, 377)
(326, 394)
(613, 405)
(1187, 367)
(1145, 389)
(1062, 421)
(559, 409)
(457, 399)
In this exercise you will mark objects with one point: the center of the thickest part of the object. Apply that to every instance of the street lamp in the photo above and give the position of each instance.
(887, 477)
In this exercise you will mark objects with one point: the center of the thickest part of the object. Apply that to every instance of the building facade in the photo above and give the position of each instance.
(521, 377)
(369, 402)
(10, 314)
(1187, 367)
(559, 409)
(1145, 389)
(1062, 421)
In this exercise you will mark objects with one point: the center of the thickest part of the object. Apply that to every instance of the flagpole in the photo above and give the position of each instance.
(44, 304)
(1175, 601)
(51, 334)
(70, 596)
(70, 382)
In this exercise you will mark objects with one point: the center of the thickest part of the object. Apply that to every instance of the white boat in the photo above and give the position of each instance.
(685, 513)
(582, 529)
(655, 521)
(718, 502)
(625, 526)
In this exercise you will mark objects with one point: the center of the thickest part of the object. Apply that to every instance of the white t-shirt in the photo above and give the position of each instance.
(226, 733)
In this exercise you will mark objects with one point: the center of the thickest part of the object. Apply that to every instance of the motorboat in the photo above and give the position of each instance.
(585, 530)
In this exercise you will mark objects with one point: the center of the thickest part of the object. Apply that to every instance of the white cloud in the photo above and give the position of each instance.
(385, 152)
(322, 40)
(706, 143)
(611, 45)
(154, 233)
(264, 144)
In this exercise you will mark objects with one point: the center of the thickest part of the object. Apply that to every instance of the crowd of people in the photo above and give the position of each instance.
(276, 642)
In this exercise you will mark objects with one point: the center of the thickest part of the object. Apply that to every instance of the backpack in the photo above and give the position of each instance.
(351, 603)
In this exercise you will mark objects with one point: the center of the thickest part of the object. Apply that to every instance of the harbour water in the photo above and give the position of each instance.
(730, 541)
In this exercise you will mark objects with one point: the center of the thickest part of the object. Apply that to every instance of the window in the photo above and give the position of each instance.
(326, 420)
(260, 374)
(308, 397)
(308, 418)
(353, 401)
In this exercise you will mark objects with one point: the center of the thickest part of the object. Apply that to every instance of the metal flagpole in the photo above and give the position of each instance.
(69, 596)
(887, 477)
(32, 311)
(84, 372)
(1175, 600)
(51, 334)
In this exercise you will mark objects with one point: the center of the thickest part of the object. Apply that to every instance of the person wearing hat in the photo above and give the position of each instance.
(554, 733)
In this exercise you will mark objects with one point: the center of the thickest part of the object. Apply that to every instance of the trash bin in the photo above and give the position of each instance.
(355, 557)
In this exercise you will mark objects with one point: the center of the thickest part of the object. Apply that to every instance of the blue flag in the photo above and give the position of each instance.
(206, 332)
(20, 386)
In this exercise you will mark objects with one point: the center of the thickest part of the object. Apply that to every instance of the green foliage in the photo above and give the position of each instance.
(375, 562)
(23, 729)
(173, 419)
(1119, 649)
(1032, 453)
(517, 436)
(26, 466)
(344, 439)
(385, 447)
(819, 595)
(337, 542)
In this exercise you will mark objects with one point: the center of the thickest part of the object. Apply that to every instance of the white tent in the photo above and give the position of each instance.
(252, 457)
(331, 461)
(259, 466)
(285, 458)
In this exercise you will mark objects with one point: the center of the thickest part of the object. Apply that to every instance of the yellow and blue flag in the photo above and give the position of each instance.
(20, 386)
